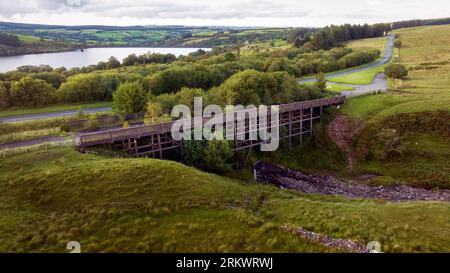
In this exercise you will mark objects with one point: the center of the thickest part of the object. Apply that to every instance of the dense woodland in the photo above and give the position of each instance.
(162, 76)
(223, 75)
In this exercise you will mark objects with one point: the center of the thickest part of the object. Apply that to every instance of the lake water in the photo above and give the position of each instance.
(88, 57)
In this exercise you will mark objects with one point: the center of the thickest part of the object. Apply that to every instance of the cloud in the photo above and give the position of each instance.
(242, 12)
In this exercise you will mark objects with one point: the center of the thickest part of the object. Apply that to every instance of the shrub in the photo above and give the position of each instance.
(321, 82)
(379, 143)
(396, 71)
(88, 87)
(5, 97)
(153, 113)
(31, 92)
(129, 98)
(216, 156)
(92, 123)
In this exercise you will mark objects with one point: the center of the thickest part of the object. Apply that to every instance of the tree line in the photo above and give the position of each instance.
(9, 39)
(333, 36)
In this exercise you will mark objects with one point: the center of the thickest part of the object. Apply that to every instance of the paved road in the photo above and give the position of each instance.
(55, 114)
(386, 58)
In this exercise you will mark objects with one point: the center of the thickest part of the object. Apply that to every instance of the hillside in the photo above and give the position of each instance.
(416, 108)
(143, 205)
(184, 36)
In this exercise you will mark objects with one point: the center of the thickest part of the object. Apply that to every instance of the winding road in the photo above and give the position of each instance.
(384, 60)
(379, 84)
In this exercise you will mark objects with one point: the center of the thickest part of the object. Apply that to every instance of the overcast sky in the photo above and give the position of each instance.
(219, 12)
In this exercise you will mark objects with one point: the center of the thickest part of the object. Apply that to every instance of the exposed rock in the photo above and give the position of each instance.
(342, 244)
(342, 130)
(296, 180)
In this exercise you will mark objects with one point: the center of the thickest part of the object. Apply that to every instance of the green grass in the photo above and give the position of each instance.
(339, 88)
(362, 77)
(28, 38)
(335, 87)
(30, 135)
(366, 76)
(424, 52)
(424, 89)
(372, 43)
(50, 197)
(426, 163)
(50, 109)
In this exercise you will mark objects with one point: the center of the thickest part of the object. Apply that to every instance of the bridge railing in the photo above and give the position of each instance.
(147, 130)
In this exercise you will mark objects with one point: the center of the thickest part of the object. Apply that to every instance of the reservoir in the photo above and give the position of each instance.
(87, 57)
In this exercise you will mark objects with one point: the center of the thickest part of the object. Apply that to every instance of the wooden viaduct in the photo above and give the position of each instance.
(295, 120)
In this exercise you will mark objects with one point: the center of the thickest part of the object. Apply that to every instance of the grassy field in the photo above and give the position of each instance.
(50, 109)
(366, 76)
(363, 77)
(427, 88)
(376, 43)
(335, 87)
(425, 52)
(50, 197)
(30, 135)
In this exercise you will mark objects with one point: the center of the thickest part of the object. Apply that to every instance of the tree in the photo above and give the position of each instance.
(9, 40)
(216, 156)
(186, 96)
(153, 113)
(92, 123)
(396, 71)
(254, 87)
(89, 87)
(129, 98)
(321, 81)
(31, 92)
(5, 98)
(112, 63)
(230, 57)
(130, 60)
(388, 145)
(53, 78)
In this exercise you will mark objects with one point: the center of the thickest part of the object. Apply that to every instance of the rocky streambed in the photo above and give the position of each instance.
(314, 184)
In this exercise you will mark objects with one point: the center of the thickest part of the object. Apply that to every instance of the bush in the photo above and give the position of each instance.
(129, 98)
(153, 113)
(321, 82)
(216, 156)
(5, 97)
(396, 71)
(31, 92)
(379, 143)
(254, 87)
(92, 123)
(89, 87)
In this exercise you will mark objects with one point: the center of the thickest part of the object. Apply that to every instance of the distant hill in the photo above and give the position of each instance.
(98, 35)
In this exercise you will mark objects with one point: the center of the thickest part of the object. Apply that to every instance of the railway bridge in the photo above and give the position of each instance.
(295, 121)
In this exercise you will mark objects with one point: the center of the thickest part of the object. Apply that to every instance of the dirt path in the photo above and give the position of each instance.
(342, 130)
(314, 184)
